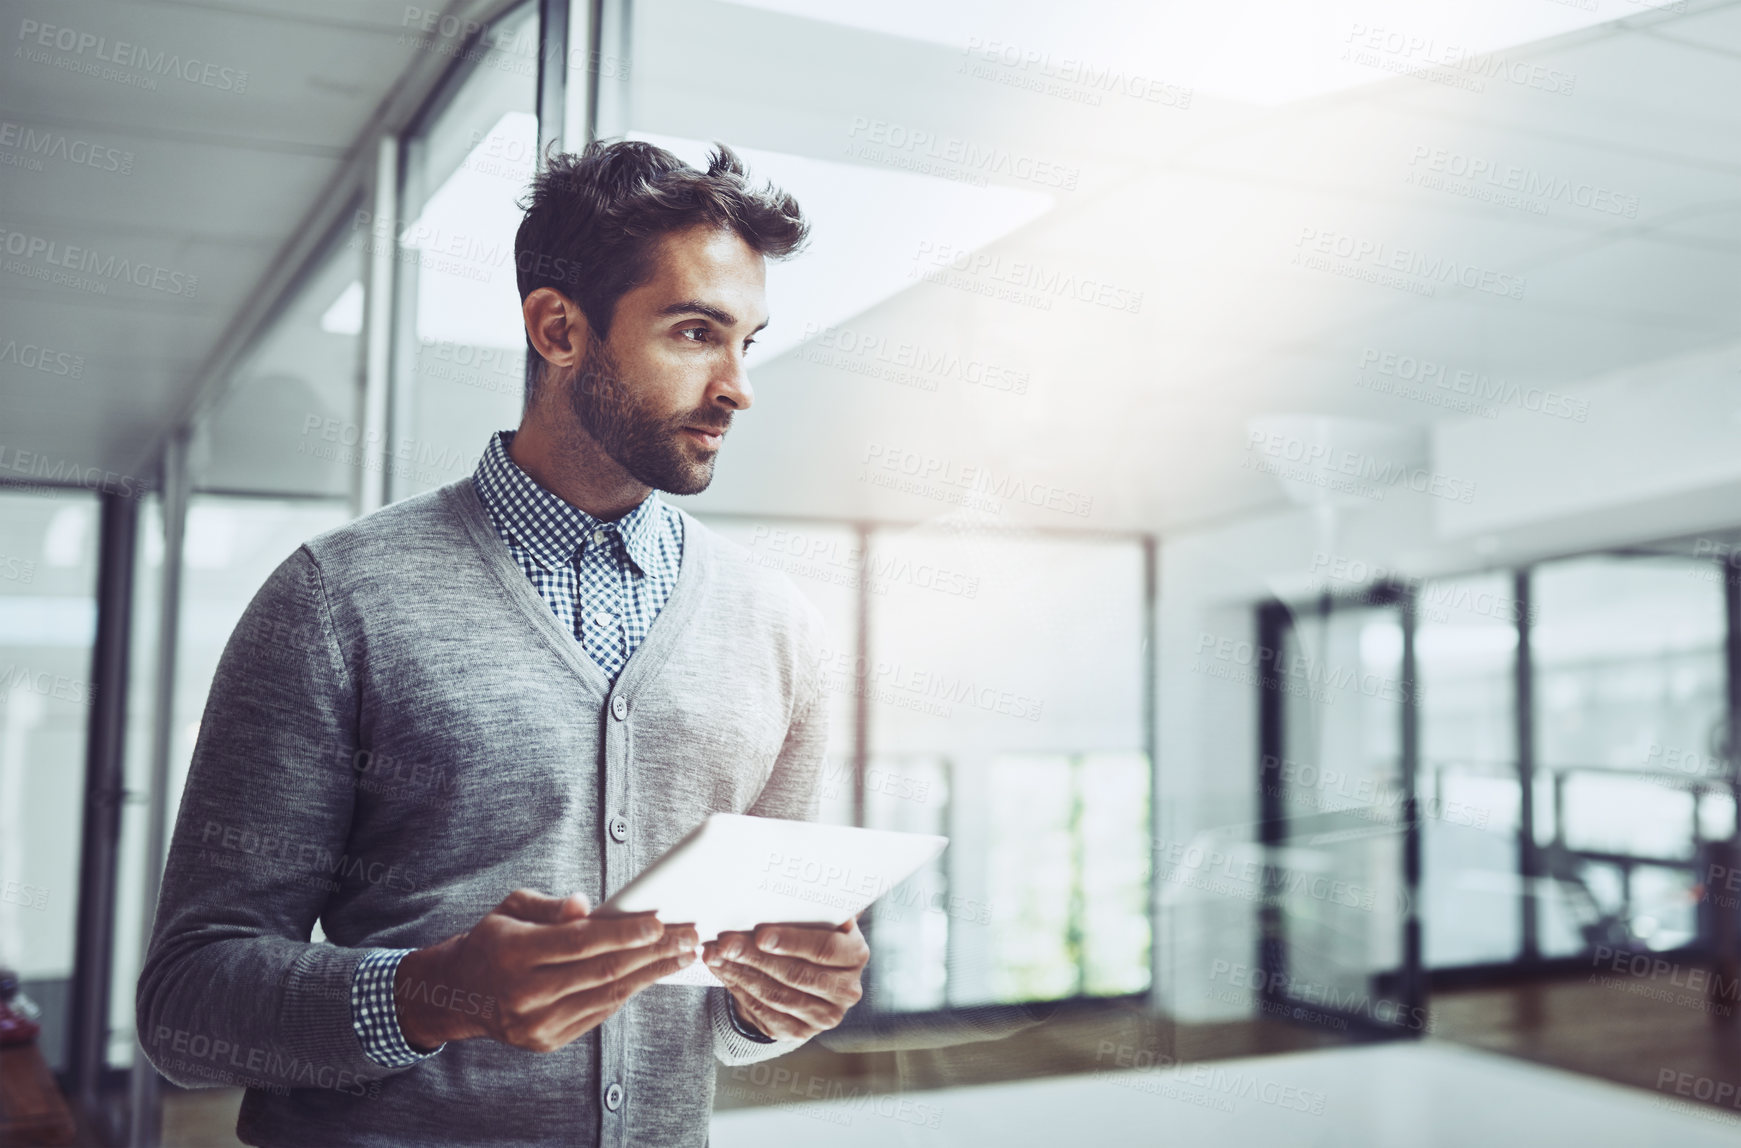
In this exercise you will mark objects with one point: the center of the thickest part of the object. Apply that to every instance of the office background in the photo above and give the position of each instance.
(1269, 470)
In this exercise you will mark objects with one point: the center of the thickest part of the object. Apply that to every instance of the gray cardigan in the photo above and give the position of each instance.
(399, 733)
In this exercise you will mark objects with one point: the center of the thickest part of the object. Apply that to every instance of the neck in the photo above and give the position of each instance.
(570, 463)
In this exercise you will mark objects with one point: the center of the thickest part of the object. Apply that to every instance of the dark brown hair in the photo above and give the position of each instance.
(592, 219)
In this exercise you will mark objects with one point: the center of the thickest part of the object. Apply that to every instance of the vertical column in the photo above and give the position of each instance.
(147, 1111)
(1528, 859)
(88, 1038)
(1273, 624)
(1725, 915)
(378, 326)
(553, 79)
(1413, 979)
(1151, 734)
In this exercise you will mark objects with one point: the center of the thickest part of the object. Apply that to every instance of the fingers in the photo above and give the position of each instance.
(589, 937)
(560, 1022)
(552, 982)
(791, 1012)
(526, 905)
(830, 982)
(822, 946)
(770, 1021)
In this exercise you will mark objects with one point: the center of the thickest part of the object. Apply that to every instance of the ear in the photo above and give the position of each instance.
(556, 326)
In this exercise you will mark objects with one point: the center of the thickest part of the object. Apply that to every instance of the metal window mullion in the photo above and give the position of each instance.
(88, 1027)
(145, 1125)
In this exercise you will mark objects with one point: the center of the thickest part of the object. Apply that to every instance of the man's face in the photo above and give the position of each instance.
(659, 393)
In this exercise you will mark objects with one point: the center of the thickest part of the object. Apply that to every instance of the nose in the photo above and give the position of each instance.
(731, 384)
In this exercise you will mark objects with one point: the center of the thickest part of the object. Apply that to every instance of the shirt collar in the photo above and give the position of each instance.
(548, 528)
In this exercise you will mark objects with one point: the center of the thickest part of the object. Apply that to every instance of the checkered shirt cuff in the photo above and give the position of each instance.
(375, 1015)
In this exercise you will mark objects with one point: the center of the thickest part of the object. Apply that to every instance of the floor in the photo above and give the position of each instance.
(1117, 1074)
(1630, 1030)
(1430, 1094)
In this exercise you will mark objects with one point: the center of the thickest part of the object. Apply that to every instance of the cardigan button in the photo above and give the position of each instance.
(614, 1097)
(619, 829)
(620, 708)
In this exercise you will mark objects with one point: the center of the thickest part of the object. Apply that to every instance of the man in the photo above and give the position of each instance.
(432, 722)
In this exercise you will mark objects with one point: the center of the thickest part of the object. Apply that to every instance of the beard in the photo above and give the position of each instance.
(651, 447)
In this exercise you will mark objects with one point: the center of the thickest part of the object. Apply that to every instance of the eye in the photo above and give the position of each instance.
(702, 332)
(748, 343)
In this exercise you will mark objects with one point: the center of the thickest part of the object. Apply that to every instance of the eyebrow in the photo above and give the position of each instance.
(697, 307)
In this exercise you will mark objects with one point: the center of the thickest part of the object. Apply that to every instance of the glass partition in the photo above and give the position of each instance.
(1466, 654)
(48, 610)
(459, 344)
(1630, 680)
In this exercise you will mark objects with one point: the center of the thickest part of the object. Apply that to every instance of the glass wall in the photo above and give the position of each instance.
(1466, 655)
(48, 544)
(1630, 684)
(1022, 742)
(1006, 676)
(460, 346)
(290, 422)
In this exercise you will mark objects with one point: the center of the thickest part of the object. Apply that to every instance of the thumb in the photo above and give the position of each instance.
(525, 905)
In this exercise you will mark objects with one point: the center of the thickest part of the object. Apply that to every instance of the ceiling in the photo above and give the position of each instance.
(197, 185)
(1286, 236)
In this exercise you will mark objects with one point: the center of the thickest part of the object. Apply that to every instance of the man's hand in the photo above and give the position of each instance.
(791, 980)
(536, 973)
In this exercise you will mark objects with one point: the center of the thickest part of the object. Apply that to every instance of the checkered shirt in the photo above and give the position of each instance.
(375, 1015)
(604, 581)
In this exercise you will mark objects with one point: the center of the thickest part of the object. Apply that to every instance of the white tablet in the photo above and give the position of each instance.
(732, 873)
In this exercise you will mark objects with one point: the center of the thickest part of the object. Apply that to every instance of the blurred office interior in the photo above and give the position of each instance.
(1269, 469)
